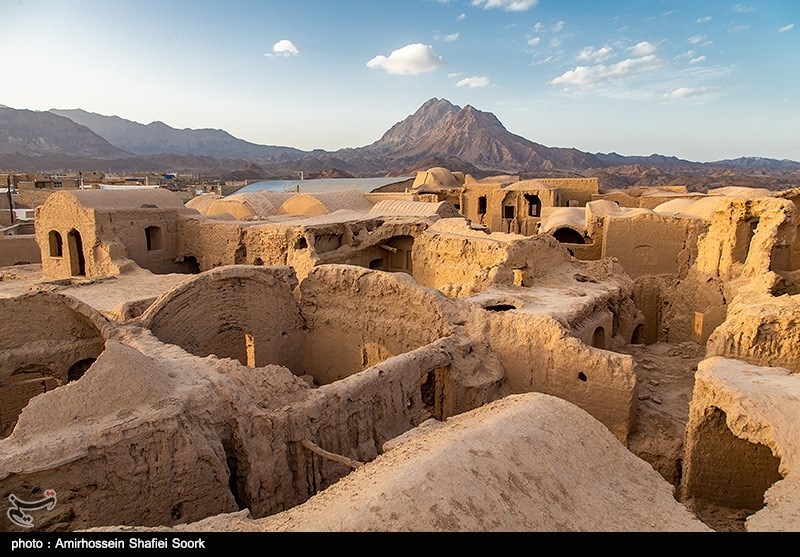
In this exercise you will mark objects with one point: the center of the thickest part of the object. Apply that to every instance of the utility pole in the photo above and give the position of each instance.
(10, 199)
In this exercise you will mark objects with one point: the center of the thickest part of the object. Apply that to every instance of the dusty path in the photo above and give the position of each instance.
(665, 375)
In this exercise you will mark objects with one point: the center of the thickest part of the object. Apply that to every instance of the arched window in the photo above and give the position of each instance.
(56, 244)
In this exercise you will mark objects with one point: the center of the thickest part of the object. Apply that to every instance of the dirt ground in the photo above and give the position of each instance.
(665, 375)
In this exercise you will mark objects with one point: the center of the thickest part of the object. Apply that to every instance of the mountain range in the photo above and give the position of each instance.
(437, 134)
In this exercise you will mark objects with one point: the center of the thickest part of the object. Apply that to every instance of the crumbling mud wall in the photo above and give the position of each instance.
(741, 443)
(46, 341)
(760, 329)
(242, 312)
(331, 239)
(356, 318)
(460, 261)
(744, 238)
(539, 355)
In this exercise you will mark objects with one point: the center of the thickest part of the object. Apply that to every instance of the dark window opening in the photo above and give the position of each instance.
(582, 376)
(508, 211)
(301, 243)
(534, 205)
(482, 205)
(56, 245)
(377, 264)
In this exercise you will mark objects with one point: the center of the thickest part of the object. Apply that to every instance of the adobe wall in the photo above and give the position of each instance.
(652, 244)
(242, 312)
(19, 250)
(356, 318)
(153, 436)
(43, 336)
(760, 329)
(578, 190)
(741, 444)
(459, 261)
(108, 238)
(539, 355)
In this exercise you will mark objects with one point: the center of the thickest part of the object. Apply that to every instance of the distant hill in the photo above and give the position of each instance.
(441, 129)
(158, 138)
(30, 133)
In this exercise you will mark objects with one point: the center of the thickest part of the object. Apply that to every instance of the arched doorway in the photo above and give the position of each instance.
(568, 236)
(77, 263)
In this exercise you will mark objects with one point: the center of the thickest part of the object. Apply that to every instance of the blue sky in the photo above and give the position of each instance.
(701, 81)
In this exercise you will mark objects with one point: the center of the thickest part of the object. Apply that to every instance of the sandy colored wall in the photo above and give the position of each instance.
(356, 318)
(579, 190)
(459, 262)
(538, 355)
(16, 250)
(214, 312)
(651, 244)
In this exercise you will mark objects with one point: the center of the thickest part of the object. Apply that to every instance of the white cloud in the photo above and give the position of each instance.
(705, 19)
(507, 5)
(534, 41)
(461, 17)
(684, 92)
(738, 28)
(473, 82)
(455, 74)
(697, 60)
(643, 48)
(786, 28)
(589, 76)
(558, 26)
(412, 59)
(589, 54)
(450, 38)
(696, 39)
(284, 48)
(740, 9)
(555, 42)
(539, 27)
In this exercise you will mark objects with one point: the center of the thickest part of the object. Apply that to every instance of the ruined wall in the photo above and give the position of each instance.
(761, 330)
(46, 340)
(242, 312)
(741, 443)
(743, 234)
(539, 355)
(652, 244)
(149, 237)
(458, 261)
(356, 318)
(215, 243)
